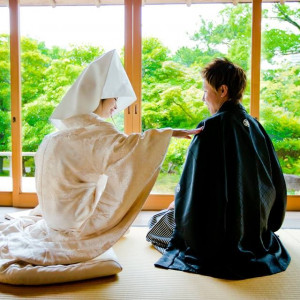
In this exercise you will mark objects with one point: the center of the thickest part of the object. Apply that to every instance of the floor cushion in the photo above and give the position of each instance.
(19, 273)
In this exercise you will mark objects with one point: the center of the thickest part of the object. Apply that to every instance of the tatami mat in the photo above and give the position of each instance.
(141, 280)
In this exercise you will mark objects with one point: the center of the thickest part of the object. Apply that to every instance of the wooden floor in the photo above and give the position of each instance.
(292, 218)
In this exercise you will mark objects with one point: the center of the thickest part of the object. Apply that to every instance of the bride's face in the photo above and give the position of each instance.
(106, 107)
(109, 105)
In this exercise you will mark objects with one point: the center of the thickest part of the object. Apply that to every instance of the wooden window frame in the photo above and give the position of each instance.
(132, 115)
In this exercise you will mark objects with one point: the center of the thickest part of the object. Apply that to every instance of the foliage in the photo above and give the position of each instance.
(284, 129)
(4, 73)
(231, 37)
(176, 156)
(281, 42)
(281, 88)
(153, 56)
(166, 101)
(36, 123)
(5, 130)
(172, 85)
(46, 74)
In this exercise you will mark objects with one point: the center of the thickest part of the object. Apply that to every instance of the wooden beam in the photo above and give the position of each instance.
(158, 202)
(128, 113)
(255, 58)
(137, 64)
(29, 200)
(6, 199)
(133, 62)
(153, 202)
(293, 203)
(15, 98)
(121, 2)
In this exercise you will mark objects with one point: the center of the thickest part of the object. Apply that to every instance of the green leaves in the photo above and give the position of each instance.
(230, 36)
(46, 74)
(5, 142)
(280, 42)
(172, 84)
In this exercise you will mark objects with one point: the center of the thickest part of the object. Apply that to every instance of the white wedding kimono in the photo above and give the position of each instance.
(91, 182)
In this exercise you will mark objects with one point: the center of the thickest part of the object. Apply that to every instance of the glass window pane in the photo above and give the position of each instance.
(177, 42)
(57, 44)
(280, 86)
(5, 107)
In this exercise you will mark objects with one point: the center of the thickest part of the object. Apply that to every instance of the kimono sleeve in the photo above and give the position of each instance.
(132, 166)
(200, 204)
(277, 212)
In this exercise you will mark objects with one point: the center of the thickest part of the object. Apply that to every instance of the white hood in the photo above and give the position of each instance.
(103, 78)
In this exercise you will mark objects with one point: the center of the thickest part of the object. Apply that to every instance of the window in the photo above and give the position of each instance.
(280, 86)
(5, 107)
(53, 54)
(177, 42)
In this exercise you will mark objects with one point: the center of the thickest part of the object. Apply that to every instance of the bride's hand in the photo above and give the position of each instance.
(186, 134)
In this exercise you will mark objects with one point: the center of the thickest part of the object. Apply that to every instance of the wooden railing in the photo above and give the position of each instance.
(154, 201)
(9, 155)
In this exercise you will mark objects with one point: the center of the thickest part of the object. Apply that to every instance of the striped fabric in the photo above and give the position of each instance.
(161, 227)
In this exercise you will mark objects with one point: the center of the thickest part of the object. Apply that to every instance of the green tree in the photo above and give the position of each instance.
(280, 114)
(288, 14)
(280, 93)
(195, 56)
(33, 67)
(171, 83)
(277, 41)
(58, 75)
(232, 34)
(46, 75)
(172, 97)
(4, 73)
(167, 86)
(187, 56)
(154, 53)
(5, 134)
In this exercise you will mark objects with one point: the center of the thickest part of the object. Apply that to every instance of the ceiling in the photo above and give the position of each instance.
(118, 2)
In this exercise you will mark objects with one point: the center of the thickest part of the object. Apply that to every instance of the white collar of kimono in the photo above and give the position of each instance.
(103, 78)
(82, 121)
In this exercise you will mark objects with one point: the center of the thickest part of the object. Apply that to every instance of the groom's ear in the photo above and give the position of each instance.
(223, 89)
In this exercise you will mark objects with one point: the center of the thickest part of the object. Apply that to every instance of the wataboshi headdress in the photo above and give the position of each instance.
(103, 78)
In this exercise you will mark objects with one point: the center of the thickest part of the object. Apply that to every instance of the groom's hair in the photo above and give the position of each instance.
(222, 71)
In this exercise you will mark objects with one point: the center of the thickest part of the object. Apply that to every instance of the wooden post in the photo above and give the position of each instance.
(15, 99)
(133, 62)
(128, 112)
(137, 64)
(255, 58)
